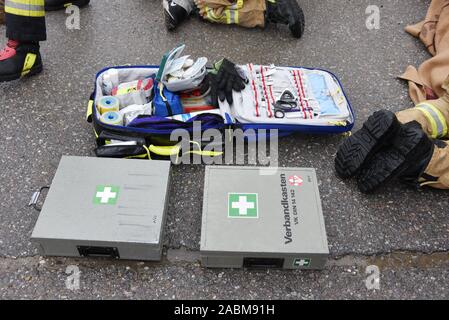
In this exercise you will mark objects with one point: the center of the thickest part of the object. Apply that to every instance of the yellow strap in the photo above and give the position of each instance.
(205, 153)
(89, 110)
(165, 151)
(30, 60)
(168, 151)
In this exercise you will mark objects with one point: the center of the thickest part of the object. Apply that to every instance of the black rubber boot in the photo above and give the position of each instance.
(52, 5)
(174, 14)
(18, 60)
(286, 12)
(406, 159)
(377, 132)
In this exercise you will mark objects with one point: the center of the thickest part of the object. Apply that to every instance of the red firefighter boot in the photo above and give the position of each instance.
(19, 59)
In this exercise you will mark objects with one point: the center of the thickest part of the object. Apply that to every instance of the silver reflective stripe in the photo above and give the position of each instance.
(232, 16)
(436, 117)
(21, 6)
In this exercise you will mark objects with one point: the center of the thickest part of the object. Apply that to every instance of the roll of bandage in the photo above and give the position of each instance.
(108, 103)
(112, 118)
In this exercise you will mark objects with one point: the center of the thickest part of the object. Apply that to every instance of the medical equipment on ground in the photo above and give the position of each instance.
(266, 103)
(262, 218)
(180, 73)
(112, 208)
(134, 92)
(112, 118)
(108, 103)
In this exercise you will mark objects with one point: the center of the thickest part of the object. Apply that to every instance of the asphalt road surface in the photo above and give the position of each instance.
(403, 232)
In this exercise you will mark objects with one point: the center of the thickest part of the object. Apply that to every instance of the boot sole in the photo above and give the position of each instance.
(79, 3)
(10, 77)
(389, 164)
(377, 132)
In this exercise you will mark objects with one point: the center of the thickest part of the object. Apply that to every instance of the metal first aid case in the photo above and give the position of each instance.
(262, 218)
(105, 207)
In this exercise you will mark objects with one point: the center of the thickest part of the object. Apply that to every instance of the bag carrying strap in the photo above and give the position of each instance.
(144, 152)
(90, 108)
(164, 99)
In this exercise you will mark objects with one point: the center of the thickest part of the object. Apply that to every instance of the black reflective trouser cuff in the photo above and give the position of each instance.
(25, 29)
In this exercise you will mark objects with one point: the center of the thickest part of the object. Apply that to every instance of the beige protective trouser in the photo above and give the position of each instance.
(433, 115)
(245, 13)
(2, 11)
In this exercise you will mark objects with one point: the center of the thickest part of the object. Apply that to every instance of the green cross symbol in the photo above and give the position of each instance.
(242, 205)
(106, 195)
(302, 262)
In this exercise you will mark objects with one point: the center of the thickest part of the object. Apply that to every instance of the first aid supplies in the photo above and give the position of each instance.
(165, 102)
(134, 92)
(180, 73)
(112, 208)
(262, 218)
(284, 99)
(108, 103)
(131, 112)
(112, 118)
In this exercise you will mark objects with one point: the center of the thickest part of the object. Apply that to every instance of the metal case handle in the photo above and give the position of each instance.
(35, 198)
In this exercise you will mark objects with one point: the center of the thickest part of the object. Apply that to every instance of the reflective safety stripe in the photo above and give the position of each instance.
(435, 118)
(30, 60)
(233, 17)
(27, 8)
(227, 13)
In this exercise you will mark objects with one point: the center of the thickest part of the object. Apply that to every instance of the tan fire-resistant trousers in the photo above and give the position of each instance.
(245, 13)
(433, 115)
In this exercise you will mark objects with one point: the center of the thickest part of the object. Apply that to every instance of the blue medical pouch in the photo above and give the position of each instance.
(276, 101)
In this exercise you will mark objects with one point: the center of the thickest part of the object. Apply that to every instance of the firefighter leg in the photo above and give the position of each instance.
(433, 115)
(245, 13)
(25, 27)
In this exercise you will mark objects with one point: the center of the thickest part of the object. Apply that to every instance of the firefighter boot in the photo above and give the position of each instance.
(286, 12)
(432, 115)
(377, 132)
(19, 59)
(406, 159)
(176, 12)
(52, 5)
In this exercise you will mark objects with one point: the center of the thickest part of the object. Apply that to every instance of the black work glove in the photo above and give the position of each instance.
(229, 79)
(212, 79)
